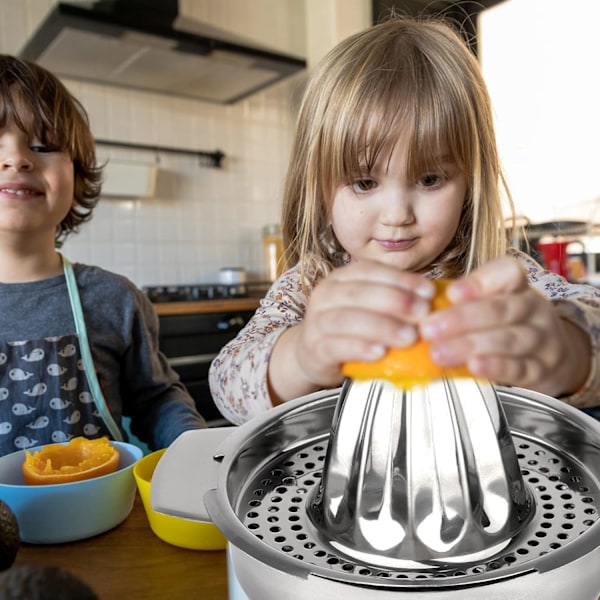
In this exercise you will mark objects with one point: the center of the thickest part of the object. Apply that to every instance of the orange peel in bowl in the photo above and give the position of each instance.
(76, 460)
(409, 366)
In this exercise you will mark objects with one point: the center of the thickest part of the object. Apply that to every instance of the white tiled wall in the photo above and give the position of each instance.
(201, 218)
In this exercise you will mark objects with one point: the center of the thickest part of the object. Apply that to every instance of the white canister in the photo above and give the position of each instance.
(232, 275)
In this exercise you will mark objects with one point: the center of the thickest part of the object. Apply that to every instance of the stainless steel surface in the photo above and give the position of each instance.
(273, 503)
(151, 46)
(258, 485)
(415, 477)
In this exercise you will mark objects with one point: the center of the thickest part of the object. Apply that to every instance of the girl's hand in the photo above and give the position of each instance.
(355, 313)
(506, 331)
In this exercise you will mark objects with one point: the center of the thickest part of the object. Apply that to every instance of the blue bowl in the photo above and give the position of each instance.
(65, 512)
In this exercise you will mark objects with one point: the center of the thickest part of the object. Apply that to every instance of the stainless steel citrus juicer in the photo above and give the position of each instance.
(420, 476)
(256, 482)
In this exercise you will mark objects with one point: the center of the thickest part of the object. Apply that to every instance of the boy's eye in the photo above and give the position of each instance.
(364, 185)
(42, 148)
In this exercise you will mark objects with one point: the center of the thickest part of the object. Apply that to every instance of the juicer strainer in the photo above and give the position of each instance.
(255, 483)
(421, 475)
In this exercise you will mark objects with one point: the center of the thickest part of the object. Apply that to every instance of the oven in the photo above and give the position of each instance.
(191, 339)
(190, 342)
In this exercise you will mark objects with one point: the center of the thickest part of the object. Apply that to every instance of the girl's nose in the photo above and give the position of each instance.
(398, 210)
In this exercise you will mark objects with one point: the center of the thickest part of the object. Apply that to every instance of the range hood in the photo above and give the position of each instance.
(148, 45)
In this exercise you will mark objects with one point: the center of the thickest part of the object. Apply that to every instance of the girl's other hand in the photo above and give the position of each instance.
(506, 331)
(355, 313)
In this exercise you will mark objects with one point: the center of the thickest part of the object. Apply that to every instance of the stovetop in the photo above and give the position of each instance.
(205, 291)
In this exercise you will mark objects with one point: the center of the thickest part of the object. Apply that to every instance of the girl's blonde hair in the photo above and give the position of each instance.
(56, 118)
(401, 76)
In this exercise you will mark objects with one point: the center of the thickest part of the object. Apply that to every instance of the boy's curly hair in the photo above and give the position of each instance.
(58, 120)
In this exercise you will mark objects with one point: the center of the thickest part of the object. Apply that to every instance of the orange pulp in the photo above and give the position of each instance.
(408, 366)
(79, 459)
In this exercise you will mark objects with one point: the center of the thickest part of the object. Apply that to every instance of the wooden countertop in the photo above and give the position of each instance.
(206, 306)
(130, 562)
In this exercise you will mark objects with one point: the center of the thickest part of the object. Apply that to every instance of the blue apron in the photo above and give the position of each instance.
(49, 391)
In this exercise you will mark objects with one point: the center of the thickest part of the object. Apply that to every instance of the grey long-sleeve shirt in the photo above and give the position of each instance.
(122, 327)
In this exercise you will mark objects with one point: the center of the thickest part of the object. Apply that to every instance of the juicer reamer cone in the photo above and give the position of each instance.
(421, 476)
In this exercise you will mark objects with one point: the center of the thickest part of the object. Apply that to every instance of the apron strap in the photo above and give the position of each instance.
(86, 355)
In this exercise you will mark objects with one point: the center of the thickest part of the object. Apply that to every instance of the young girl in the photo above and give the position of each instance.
(395, 180)
(78, 345)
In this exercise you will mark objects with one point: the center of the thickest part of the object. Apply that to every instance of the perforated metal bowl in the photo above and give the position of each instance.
(256, 488)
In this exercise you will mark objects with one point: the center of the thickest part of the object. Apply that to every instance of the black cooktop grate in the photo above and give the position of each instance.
(191, 293)
(205, 291)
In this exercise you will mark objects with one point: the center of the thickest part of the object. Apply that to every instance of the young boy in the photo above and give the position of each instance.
(78, 345)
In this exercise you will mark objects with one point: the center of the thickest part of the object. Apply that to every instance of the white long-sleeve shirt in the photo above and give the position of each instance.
(238, 376)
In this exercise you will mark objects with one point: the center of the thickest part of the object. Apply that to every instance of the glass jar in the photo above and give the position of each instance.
(273, 245)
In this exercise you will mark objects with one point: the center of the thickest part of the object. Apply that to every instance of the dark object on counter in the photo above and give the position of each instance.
(34, 582)
(10, 540)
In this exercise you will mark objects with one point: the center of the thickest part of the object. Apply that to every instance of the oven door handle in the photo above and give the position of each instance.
(193, 359)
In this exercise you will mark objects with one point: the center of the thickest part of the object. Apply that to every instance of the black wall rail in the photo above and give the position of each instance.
(212, 159)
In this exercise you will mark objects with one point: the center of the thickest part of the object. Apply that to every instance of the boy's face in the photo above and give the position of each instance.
(386, 217)
(36, 184)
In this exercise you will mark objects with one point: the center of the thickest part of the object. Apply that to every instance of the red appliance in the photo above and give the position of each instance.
(554, 256)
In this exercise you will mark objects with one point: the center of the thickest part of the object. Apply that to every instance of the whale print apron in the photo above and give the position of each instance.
(49, 391)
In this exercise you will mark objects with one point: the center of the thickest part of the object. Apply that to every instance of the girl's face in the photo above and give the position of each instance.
(386, 217)
(36, 184)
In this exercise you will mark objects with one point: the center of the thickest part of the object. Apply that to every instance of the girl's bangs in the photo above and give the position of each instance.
(434, 139)
(431, 130)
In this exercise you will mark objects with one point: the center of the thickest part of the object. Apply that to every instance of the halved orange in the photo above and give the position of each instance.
(77, 460)
(408, 366)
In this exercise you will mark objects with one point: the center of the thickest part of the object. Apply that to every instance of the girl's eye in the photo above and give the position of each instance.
(364, 185)
(431, 180)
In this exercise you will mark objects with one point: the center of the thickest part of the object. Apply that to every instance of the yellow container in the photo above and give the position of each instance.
(185, 533)
(273, 246)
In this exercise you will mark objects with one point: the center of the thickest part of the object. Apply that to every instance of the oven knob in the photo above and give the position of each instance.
(232, 322)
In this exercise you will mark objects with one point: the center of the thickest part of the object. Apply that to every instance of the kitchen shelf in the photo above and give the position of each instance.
(214, 158)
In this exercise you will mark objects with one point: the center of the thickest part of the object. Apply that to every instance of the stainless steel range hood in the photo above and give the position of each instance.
(148, 45)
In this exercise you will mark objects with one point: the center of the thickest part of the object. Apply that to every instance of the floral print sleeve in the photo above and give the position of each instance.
(580, 304)
(238, 376)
